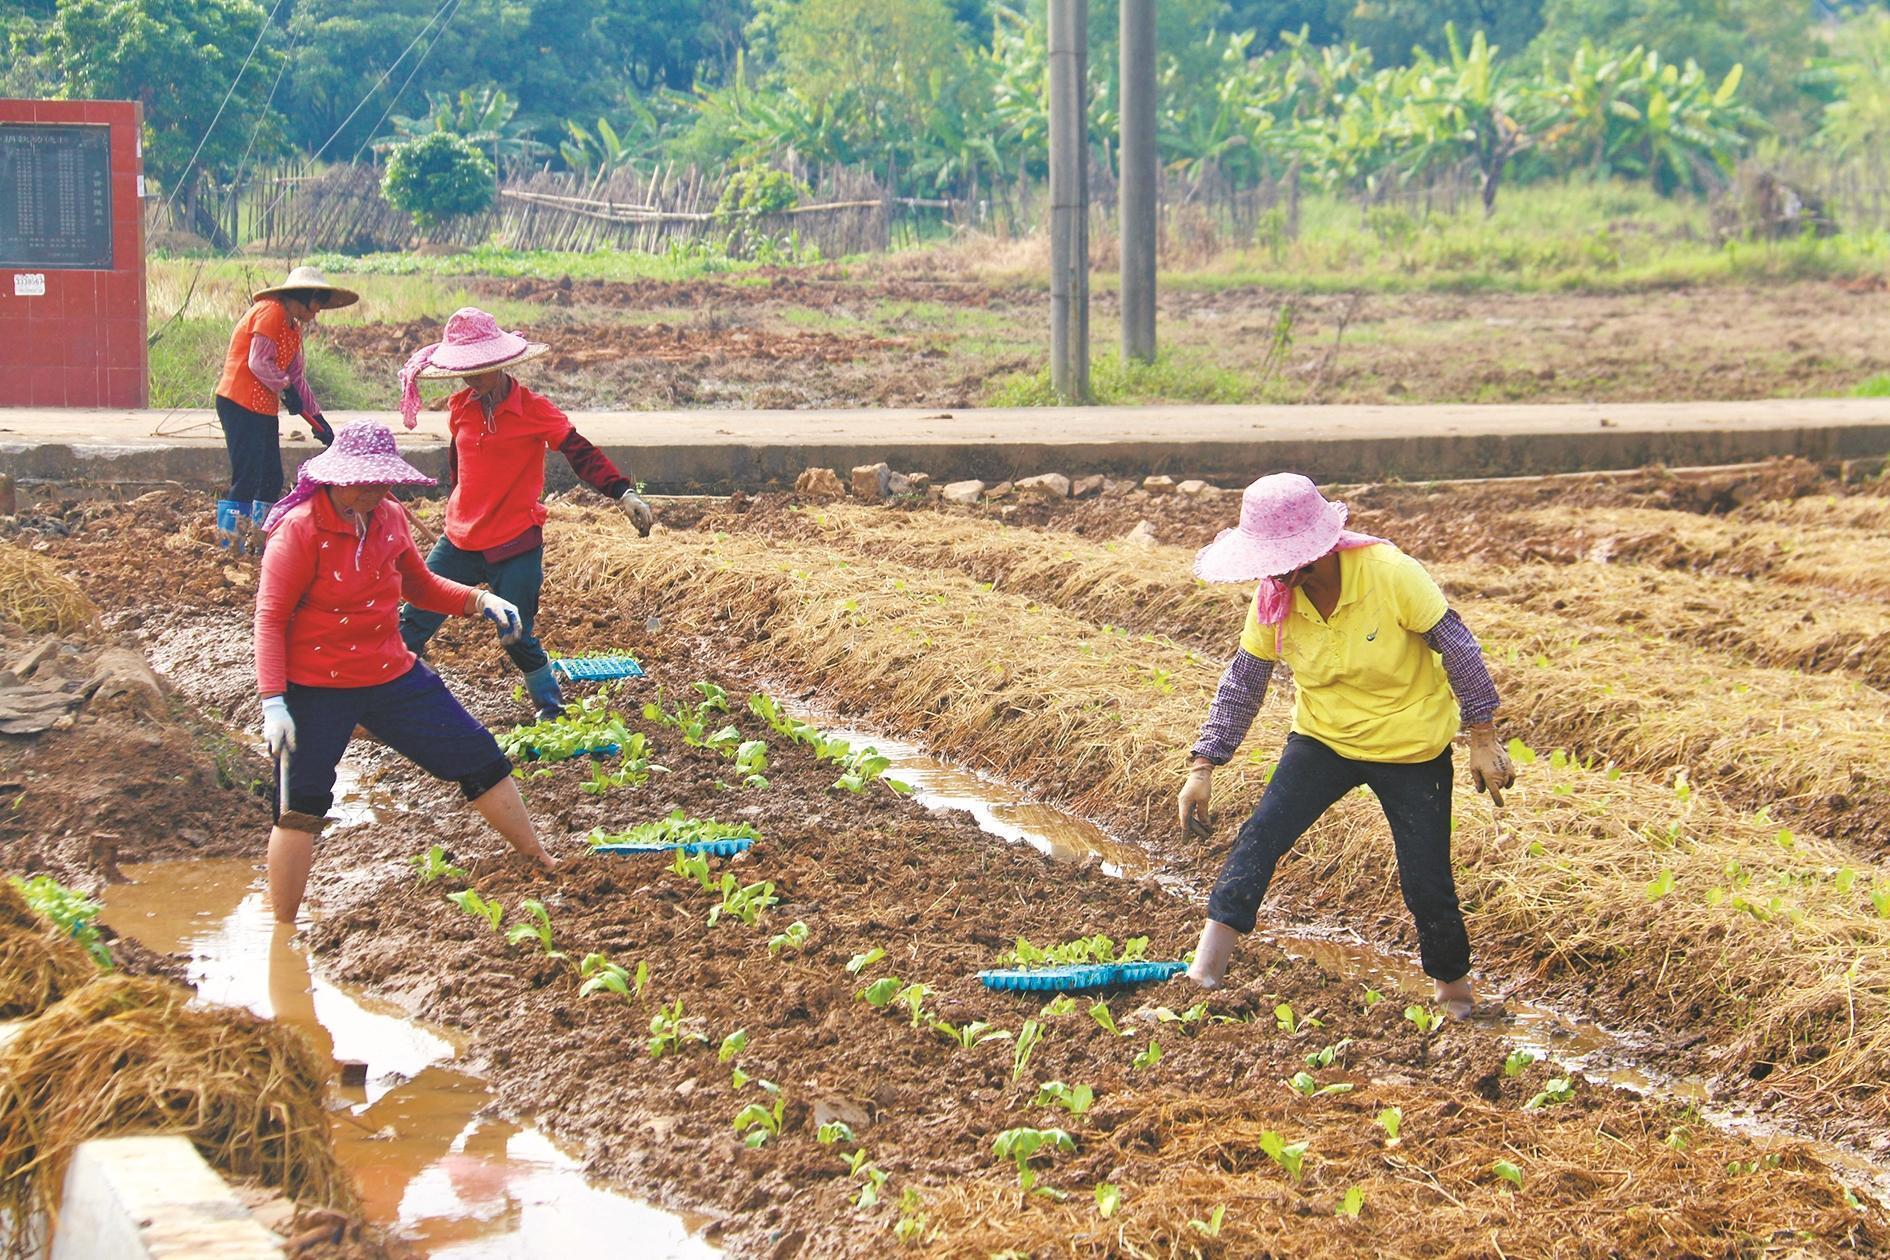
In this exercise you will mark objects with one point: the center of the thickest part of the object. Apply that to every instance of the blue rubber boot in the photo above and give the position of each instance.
(230, 518)
(542, 686)
(258, 513)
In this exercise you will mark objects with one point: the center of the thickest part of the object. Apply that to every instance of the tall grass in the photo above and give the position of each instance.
(1176, 376)
(187, 359)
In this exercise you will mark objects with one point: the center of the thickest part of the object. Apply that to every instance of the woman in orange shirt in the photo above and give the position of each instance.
(263, 372)
(494, 520)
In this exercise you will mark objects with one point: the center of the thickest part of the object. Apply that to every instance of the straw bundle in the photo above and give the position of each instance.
(38, 964)
(126, 1055)
(1617, 1188)
(38, 598)
(1775, 951)
(1764, 735)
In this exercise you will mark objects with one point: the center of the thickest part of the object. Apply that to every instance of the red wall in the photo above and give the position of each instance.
(82, 344)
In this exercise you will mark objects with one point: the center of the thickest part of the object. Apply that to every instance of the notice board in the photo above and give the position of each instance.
(56, 196)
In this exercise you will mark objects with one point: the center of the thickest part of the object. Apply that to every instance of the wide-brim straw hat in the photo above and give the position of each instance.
(1284, 523)
(311, 278)
(474, 343)
(364, 454)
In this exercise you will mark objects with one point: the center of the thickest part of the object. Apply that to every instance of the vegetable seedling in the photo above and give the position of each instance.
(869, 1193)
(1290, 1022)
(71, 911)
(1291, 1157)
(600, 975)
(743, 901)
(860, 962)
(1021, 1145)
(1508, 1172)
(794, 938)
(1372, 997)
(1517, 1060)
(1027, 1041)
(1391, 1120)
(1307, 1086)
(1108, 1199)
(1061, 1004)
(478, 907)
(834, 1131)
(975, 1033)
(1075, 1099)
(1101, 1014)
(1423, 1018)
(539, 929)
(667, 1032)
(1211, 1227)
(1352, 1204)
(1559, 1090)
(1149, 1057)
(881, 992)
(433, 865)
(760, 1123)
(1328, 1055)
(732, 1045)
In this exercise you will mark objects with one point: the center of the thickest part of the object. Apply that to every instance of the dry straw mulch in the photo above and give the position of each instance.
(38, 598)
(127, 1056)
(38, 963)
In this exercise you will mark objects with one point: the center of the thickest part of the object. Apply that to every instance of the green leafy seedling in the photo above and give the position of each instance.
(478, 907)
(1352, 1204)
(433, 865)
(1106, 1020)
(538, 929)
(912, 997)
(760, 1122)
(666, 1030)
(860, 962)
(1558, 1090)
(1022, 1144)
(1328, 1055)
(1391, 1120)
(794, 938)
(1149, 1057)
(835, 1131)
(881, 992)
(1027, 1041)
(1517, 1060)
(1291, 1157)
(600, 975)
(1211, 1227)
(70, 911)
(975, 1033)
(732, 1045)
(1508, 1172)
(870, 1192)
(1307, 1086)
(1423, 1018)
(1108, 1199)
(1290, 1021)
(1075, 1099)
(1061, 1004)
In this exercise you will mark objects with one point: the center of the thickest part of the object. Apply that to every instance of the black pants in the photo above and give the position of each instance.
(1416, 801)
(255, 445)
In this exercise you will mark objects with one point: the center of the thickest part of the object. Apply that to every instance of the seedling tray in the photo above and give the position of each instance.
(712, 848)
(1080, 976)
(597, 669)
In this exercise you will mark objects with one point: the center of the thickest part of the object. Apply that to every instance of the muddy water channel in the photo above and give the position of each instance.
(434, 1169)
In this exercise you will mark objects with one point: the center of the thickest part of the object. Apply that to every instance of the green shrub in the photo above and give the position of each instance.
(438, 177)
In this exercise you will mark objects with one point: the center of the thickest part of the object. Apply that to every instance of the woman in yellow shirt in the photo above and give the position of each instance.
(1376, 654)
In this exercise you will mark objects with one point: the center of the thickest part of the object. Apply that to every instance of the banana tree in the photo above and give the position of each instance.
(1474, 107)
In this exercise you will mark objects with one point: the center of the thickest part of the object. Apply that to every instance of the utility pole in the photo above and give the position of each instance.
(1069, 199)
(1138, 180)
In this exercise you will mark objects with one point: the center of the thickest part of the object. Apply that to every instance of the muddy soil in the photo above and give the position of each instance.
(942, 899)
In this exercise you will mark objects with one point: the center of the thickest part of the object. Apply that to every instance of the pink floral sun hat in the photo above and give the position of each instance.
(473, 342)
(1285, 523)
(364, 454)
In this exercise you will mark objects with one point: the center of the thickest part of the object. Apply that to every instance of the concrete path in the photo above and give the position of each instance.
(717, 451)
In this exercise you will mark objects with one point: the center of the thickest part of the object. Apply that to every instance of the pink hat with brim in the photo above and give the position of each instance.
(364, 454)
(1284, 523)
(473, 343)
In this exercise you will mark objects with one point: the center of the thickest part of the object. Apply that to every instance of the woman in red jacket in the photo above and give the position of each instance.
(494, 520)
(329, 655)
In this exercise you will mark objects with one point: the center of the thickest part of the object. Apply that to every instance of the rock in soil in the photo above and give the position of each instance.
(963, 493)
(820, 483)
(1045, 486)
(872, 482)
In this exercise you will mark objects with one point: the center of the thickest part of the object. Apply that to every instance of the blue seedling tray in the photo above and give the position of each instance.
(602, 750)
(713, 848)
(598, 669)
(1080, 976)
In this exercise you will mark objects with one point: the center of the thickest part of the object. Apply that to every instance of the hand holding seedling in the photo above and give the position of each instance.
(1193, 803)
(1490, 769)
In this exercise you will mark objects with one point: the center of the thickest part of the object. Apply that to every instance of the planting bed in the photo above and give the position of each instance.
(1080, 665)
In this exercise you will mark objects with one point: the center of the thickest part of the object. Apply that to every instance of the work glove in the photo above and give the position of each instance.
(638, 511)
(278, 726)
(504, 614)
(292, 400)
(324, 432)
(1490, 770)
(1193, 803)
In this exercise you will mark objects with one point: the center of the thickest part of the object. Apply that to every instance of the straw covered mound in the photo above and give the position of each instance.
(38, 964)
(38, 598)
(126, 1055)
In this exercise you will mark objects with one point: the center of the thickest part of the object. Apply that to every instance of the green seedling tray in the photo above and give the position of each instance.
(712, 848)
(1079, 976)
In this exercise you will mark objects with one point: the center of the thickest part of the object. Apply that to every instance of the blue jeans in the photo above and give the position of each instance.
(415, 715)
(1416, 799)
(518, 580)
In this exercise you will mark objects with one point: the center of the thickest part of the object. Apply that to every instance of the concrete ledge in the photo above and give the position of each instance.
(720, 451)
(153, 1198)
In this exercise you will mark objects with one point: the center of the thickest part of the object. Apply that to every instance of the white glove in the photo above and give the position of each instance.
(278, 726)
(633, 506)
(502, 613)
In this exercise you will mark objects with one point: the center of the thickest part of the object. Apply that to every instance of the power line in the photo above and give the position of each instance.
(385, 75)
(420, 61)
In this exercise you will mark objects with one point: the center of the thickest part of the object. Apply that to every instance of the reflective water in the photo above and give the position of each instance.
(432, 1168)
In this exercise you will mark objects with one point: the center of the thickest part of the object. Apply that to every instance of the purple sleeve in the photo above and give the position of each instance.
(1242, 689)
(262, 362)
(1463, 665)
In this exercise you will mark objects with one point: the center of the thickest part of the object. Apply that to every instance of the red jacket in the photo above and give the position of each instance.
(328, 606)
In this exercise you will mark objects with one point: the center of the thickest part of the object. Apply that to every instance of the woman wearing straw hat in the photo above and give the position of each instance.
(494, 519)
(264, 371)
(329, 655)
(1376, 654)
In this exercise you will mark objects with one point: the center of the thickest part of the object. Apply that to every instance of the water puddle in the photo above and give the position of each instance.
(1001, 810)
(433, 1168)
